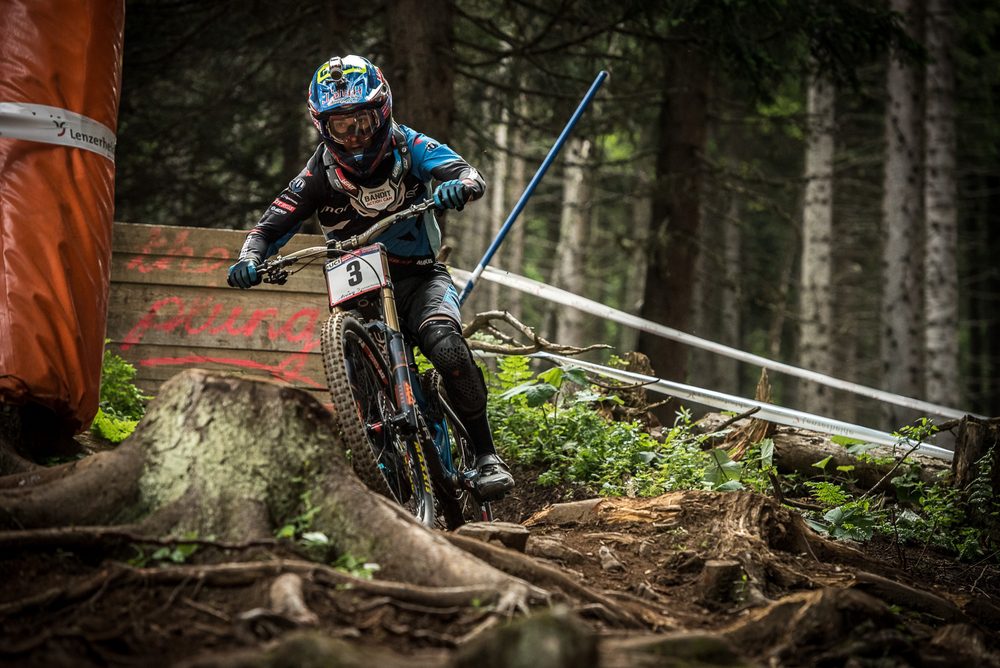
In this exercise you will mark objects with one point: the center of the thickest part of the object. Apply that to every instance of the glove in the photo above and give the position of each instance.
(451, 195)
(243, 275)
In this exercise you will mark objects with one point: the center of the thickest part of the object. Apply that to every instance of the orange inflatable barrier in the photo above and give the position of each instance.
(60, 77)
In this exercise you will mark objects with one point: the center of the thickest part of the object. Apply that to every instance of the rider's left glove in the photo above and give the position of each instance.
(243, 275)
(451, 195)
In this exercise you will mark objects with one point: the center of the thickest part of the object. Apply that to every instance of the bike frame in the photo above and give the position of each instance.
(406, 389)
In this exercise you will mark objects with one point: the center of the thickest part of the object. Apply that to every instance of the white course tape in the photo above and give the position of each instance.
(769, 412)
(52, 125)
(560, 296)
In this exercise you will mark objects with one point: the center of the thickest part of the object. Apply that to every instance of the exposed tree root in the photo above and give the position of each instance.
(227, 459)
(287, 600)
(238, 574)
(524, 567)
(108, 538)
(749, 529)
(908, 597)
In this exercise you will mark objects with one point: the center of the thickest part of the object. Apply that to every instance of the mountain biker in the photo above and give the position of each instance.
(366, 167)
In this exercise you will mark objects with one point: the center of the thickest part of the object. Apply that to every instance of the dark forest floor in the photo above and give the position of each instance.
(74, 608)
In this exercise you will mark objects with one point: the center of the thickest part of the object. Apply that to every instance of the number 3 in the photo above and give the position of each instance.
(354, 276)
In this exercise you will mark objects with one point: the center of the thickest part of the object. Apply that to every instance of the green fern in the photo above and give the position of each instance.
(112, 428)
(122, 404)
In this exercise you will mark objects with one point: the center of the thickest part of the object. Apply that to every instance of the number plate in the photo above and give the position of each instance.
(355, 274)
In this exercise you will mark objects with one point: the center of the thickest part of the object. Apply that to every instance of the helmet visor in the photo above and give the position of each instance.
(354, 129)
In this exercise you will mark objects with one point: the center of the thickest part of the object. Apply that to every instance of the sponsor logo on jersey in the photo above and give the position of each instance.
(344, 182)
(297, 184)
(377, 198)
(284, 205)
(333, 209)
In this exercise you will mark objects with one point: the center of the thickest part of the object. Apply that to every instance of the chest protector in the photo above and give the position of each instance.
(385, 197)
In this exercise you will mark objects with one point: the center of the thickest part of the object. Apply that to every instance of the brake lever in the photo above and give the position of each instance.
(275, 276)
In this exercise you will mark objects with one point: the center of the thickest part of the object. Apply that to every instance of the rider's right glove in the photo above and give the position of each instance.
(243, 275)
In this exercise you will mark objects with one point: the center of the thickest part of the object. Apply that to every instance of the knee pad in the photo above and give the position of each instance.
(443, 344)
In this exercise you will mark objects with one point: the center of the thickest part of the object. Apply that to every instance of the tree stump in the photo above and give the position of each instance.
(976, 469)
(220, 456)
(977, 439)
(719, 581)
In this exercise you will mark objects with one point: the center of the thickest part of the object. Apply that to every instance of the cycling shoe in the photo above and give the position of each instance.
(494, 479)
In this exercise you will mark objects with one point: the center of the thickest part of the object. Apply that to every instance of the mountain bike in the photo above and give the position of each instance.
(403, 436)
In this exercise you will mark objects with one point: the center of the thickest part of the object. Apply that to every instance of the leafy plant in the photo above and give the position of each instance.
(539, 422)
(122, 404)
(723, 474)
(298, 526)
(359, 568)
(111, 428)
(176, 554)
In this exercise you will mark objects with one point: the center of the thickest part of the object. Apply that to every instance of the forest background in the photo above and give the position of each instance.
(815, 182)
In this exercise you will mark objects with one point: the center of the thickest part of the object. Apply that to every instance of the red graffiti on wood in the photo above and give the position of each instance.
(204, 315)
(171, 245)
(290, 368)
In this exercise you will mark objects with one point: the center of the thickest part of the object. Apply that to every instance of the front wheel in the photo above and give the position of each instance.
(387, 461)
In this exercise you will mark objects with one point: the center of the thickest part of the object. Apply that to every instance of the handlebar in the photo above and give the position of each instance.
(272, 270)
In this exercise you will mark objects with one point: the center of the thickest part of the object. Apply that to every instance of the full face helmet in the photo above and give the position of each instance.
(351, 106)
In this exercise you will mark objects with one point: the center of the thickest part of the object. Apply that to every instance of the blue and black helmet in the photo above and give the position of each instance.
(351, 106)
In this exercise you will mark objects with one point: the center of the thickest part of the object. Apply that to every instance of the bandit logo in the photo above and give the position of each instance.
(377, 198)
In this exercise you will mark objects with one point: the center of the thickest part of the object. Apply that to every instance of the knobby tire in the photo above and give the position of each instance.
(361, 391)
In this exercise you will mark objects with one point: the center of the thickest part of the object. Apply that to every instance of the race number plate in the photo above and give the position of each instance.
(355, 274)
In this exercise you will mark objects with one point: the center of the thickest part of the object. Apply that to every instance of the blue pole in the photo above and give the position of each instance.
(553, 152)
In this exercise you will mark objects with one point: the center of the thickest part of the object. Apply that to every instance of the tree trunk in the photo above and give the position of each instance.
(570, 269)
(471, 236)
(708, 264)
(641, 212)
(498, 192)
(672, 247)
(728, 370)
(513, 188)
(901, 211)
(421, 73)
(217, 456)
(941, 272)
(816, 296)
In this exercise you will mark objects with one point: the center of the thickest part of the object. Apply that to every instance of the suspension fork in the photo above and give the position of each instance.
(402, 378)
(409, 394)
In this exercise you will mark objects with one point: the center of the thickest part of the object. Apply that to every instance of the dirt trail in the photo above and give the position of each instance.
(687, 578)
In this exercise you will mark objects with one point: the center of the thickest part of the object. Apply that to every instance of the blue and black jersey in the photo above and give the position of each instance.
(346, 207)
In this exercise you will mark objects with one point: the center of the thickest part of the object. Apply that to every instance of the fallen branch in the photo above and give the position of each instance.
(486, 322)
(736, 418)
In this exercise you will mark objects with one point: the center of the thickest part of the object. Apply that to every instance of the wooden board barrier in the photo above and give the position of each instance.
(170, 309)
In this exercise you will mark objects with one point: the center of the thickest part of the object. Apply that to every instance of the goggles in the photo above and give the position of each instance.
(355, 128)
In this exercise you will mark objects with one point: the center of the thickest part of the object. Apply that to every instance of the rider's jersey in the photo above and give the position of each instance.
(346, 207)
